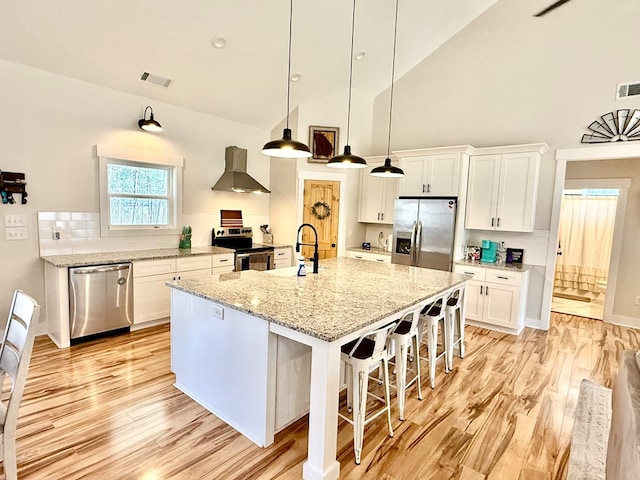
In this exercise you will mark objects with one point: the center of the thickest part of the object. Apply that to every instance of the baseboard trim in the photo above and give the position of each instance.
(624, 321)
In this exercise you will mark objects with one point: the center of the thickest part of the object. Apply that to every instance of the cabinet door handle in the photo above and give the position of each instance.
(379, 260)
(423, 187)
(224, 260)
(378, 215)
(480, 289)
(486, 290)
(382, 216)
(357, 256)
(469, 273)
(428, 187)
(503, 278)
(492, 221)
(498, 222)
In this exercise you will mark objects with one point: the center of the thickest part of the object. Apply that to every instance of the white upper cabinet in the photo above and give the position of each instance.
(430, 175)
(377, 194)
(503, 189)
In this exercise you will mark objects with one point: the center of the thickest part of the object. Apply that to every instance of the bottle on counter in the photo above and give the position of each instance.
(302, 270)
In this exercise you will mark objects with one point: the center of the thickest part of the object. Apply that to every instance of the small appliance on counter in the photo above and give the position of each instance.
(514, 255)
(489, 251)
(366, 245)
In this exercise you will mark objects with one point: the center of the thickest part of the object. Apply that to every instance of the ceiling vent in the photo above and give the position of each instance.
(156, 79)
(631, 89)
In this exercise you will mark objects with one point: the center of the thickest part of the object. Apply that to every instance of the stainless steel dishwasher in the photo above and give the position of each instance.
(100, 299)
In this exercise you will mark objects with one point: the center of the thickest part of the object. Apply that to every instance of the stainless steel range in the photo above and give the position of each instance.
(248, 255)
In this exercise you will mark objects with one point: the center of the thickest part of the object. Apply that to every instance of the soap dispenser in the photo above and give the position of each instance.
(302, 270)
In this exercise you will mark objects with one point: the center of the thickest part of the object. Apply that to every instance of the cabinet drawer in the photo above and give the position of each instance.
(154, 267)
(198, 262)
(504, 277)
(223, 260)
(478, 273)
(379, 258)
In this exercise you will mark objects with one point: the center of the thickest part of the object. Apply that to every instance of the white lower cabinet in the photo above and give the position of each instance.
(151, 296)
(371, 256)
(494, 298)
(282, 257)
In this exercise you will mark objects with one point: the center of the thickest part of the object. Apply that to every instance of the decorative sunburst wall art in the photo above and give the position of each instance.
(621, 126)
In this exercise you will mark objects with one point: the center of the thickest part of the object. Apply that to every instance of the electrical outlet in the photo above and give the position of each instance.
(637, 299)
(217, 311)
(56, 234)
(15, 220)
(15, 233)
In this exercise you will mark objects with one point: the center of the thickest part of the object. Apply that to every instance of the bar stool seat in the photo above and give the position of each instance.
(361, 356)
(405, 336)
(454, 325)
(430, 317)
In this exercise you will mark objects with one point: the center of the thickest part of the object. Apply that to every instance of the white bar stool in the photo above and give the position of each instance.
(360, 356)
(454, 325)
(431, 317)
(404, 336)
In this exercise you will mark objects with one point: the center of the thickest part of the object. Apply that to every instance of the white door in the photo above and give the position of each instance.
(517, 192)
(413, 183)
(482, 192)
(443, 175)
(501, 305)
(152, 298)
(474, 298)
(371, 196)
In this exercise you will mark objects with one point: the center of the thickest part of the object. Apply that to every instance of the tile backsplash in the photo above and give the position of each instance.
(64, 233)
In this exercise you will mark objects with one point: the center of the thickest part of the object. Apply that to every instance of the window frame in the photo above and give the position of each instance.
(144, 159)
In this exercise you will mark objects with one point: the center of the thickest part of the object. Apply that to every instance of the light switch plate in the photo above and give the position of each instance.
(218, 311)
(15, 233)
(15, 220)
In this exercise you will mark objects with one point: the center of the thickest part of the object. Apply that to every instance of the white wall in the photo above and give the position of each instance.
(49, 125)
(510, 78)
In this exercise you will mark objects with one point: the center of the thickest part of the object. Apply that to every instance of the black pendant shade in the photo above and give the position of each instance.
(286, 147)
(387, 170)
(347, 160)
(149, 125)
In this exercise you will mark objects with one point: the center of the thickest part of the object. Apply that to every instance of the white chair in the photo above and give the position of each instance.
(15, 354)
(405, 336)
(431, 317)
(361, 356)
(454, 325)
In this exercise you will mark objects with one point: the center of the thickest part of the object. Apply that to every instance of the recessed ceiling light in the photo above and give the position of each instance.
(360, 55)
(295, 77)
(219, 42)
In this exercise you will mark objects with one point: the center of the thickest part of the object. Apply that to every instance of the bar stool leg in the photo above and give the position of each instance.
(416, 343)
(387, 396)
(401, 375)
(432, 345)
(448, 338)
(461, 329)
(360, 391)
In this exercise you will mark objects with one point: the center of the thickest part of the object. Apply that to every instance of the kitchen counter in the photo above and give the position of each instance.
(248, 345)
(517, 267)
(105, 258)
(376, 250)
(342, 298)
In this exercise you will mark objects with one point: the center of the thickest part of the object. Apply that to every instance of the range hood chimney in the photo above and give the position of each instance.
(235, 177)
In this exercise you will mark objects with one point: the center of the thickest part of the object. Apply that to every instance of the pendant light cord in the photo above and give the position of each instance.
(353, 28)
(393, 70)
(289, 64)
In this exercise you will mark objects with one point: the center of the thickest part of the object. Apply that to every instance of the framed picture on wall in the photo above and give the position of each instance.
(323, 142)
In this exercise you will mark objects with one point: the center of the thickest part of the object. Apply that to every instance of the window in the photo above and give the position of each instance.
(139, 194)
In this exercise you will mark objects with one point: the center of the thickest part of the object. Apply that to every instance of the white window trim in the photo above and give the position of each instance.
(106, 153)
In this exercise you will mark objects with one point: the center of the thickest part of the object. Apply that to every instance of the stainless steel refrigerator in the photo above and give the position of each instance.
(423, 232)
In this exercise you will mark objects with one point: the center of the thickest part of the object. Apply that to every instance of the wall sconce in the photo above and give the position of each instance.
(149, 125)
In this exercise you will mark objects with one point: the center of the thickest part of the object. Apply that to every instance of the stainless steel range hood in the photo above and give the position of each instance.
(235, 177)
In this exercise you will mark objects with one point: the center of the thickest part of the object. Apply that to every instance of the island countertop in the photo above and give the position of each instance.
(104, 258)
(345, 296)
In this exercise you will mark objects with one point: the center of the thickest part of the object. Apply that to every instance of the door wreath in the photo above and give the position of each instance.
(321, 210)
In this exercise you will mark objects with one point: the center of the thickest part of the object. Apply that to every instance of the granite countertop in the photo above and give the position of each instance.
(377, 250)
(345, 296)
(105, 258)
(517, 267)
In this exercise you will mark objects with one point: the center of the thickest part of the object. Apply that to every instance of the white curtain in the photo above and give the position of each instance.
(585, 235)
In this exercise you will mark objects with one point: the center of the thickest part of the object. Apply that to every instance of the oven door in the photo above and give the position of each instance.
(261, 261)
(242, 261)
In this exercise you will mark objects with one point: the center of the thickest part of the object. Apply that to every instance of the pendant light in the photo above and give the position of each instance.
(150, 125)
(287, 147)
(388, 170)
(347, 159)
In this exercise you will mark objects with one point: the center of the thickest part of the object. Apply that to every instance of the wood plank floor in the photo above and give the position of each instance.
(107, 409)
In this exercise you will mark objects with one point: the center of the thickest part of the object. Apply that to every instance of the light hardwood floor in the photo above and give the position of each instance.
(107, 409)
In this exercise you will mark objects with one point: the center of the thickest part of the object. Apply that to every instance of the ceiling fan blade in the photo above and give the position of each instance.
(553, 6)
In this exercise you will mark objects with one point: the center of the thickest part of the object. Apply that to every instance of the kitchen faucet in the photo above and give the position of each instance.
(315, 245)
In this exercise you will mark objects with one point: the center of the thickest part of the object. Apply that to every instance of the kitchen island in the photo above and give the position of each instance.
(225, 333)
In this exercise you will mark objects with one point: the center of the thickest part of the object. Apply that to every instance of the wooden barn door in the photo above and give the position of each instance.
(318, 194)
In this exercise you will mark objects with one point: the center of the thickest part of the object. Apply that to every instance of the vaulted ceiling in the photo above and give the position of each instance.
(112, 43)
